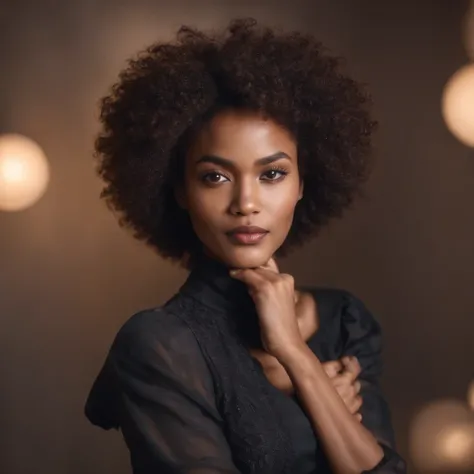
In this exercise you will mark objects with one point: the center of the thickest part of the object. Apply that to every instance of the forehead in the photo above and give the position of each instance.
(238, 133)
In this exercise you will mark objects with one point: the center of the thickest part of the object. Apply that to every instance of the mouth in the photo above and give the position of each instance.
(247, 235)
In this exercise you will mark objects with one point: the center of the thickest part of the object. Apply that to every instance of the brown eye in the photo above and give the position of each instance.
(214, 178)
(274, 175)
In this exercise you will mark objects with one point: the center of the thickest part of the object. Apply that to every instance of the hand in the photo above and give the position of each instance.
(274, 296)
(343, 373)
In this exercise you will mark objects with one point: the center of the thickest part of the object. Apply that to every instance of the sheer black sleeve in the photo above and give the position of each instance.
(167, 410)
(362, 338)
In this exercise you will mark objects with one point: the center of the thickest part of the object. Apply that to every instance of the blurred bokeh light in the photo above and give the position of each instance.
(442, 437)
(458, 104)
(24, 172)
(456, 444)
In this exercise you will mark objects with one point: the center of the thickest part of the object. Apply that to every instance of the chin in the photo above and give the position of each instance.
(246, 257)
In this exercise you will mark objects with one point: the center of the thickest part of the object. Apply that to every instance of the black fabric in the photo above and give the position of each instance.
(181, 385)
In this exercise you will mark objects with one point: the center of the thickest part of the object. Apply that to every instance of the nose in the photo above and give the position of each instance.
(245, 199)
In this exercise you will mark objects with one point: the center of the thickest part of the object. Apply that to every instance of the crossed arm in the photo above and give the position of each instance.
(168, 415)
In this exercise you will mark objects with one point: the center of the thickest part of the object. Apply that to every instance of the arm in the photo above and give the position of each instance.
(166, 410)
(363, 338)
(350, 447)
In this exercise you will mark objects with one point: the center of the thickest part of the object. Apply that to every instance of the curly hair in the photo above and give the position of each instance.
(169, 90)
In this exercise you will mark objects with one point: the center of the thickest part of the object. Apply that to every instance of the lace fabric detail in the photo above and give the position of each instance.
(253, 425)
(180, 383)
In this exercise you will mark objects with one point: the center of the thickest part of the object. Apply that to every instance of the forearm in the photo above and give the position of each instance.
(349, 446)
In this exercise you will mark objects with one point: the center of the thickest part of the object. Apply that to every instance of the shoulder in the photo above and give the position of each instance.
(335, 302)
(155, 333)
(331, 299)
(344, 309)
(353, 325)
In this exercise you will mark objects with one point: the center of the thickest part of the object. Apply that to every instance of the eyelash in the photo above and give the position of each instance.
(280, 170)
(276, 169)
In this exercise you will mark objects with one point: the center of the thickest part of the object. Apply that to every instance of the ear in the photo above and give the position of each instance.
(180, 196)
(300, 195)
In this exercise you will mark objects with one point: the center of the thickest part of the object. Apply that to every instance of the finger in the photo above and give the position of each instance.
(297, 298)
(332, 368)
(254, 275)
(271, 265)
(345, 379)
(346, 391)
(355, 405)
(356, 365)
(348, 375)
(248, 276)
(351, 364)
(268, 274)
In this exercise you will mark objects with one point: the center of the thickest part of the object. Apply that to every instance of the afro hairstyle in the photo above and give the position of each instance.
(166, 92)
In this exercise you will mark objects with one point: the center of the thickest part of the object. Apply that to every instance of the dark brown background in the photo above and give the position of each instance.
(69, 277)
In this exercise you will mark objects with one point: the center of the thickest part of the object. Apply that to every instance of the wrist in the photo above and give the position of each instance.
(295, 355)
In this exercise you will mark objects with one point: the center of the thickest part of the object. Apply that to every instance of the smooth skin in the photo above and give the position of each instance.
(242, 170)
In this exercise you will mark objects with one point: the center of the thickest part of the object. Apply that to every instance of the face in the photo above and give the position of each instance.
(240, 188)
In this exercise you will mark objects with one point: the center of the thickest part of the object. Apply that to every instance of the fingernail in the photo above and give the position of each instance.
(234, 271)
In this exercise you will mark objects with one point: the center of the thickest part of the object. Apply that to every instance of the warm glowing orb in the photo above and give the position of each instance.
(24, 172)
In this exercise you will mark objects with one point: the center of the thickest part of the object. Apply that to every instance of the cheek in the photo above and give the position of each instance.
(205, 207)
(281, 204)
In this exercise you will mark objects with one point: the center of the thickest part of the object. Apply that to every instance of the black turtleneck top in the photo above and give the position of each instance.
(181, 385)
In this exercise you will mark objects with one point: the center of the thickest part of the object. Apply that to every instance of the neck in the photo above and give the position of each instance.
(210, 283)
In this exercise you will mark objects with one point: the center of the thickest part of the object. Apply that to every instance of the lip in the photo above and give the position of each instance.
(247, 235)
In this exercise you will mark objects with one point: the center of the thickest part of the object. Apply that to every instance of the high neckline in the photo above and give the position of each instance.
(210, 283)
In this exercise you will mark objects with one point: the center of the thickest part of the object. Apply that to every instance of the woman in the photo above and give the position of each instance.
(221, 152)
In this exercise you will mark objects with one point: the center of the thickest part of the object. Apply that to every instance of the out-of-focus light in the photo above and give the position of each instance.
(458, 104)
(470, 395)
(456, 444)
(468, 32)
(24, 172)
(442, 437)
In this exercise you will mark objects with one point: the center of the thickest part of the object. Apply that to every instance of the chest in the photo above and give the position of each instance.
(267, 430)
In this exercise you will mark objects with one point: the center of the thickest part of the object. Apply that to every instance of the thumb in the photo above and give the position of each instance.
(271, 265)
(332, 368)
(249, 277)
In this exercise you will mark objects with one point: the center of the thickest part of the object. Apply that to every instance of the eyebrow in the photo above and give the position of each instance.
(266, 160)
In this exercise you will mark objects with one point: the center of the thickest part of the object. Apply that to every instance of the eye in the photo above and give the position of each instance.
(214, 177)
(274, 175)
